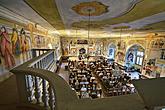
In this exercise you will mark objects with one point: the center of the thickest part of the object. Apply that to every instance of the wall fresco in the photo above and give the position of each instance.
(71, 46)
(6, 48)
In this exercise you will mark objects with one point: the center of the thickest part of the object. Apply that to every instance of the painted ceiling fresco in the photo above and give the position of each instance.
(93, 8)
(107, 17)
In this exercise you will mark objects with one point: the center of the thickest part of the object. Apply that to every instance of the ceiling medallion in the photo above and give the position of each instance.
(97, 8)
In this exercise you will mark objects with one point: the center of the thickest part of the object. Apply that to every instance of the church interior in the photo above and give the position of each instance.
(82, 55)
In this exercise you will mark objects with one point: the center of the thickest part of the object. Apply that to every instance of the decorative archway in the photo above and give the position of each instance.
(111, 51)
(134, 57)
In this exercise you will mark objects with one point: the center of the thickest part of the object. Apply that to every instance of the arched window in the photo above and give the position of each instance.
(111, 51)
(134, 56)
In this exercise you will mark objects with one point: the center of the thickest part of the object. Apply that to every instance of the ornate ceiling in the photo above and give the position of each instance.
(107, 17)
(90, 8)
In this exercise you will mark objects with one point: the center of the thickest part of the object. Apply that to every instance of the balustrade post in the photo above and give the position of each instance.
(44, 93)
(51, 98)
(32, 88)
(22, 89)
(33, 53)
(37, 90)
(29, 87)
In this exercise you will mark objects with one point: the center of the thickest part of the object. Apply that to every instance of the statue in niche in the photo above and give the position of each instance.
(15, 42)
(6, 48)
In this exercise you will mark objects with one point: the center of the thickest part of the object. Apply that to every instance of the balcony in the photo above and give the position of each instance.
(40, 88)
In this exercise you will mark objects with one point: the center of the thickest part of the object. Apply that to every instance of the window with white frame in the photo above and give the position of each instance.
(139, 57)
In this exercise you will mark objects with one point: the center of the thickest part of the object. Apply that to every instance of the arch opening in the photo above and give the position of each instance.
(134, 58)
(111, 51)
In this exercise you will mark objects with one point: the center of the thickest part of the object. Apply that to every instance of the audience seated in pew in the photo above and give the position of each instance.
(83, 78)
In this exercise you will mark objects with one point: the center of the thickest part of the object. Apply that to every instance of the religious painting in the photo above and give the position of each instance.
(120, 56)
(151, 62)
(65, 51)
(24, 41)
(97, 8)
(162, 56)
(38, 41)
(74, 51)
(90, 43)
(15, 39)
(130, 57)
(82, 51)
(91, 50)
(121, 45)
(111, 51)
(82, 42)
(73, 43)
(159, 43)
(6, 48)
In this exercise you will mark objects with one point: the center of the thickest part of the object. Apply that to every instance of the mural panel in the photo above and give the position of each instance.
(14, 48)
(6, 48)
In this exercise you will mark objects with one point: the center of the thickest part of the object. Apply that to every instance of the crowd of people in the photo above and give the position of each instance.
(89, 79)
(82, 80)
(114, 80)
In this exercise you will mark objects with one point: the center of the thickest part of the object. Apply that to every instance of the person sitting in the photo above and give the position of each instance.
(84, 93)
(77, 85)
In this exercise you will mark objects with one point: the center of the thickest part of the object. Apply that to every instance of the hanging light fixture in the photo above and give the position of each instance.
(119, 43)
(89, 14)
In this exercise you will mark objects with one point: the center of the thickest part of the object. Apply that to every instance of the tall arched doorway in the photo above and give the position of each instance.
(111, 51)
(134, 58)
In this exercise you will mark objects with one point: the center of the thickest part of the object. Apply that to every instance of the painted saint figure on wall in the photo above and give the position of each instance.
(130, 57)
(120, 56)
(23, 41)
(6, 49)
(15, 42)
(38, 41)
(121, 45)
